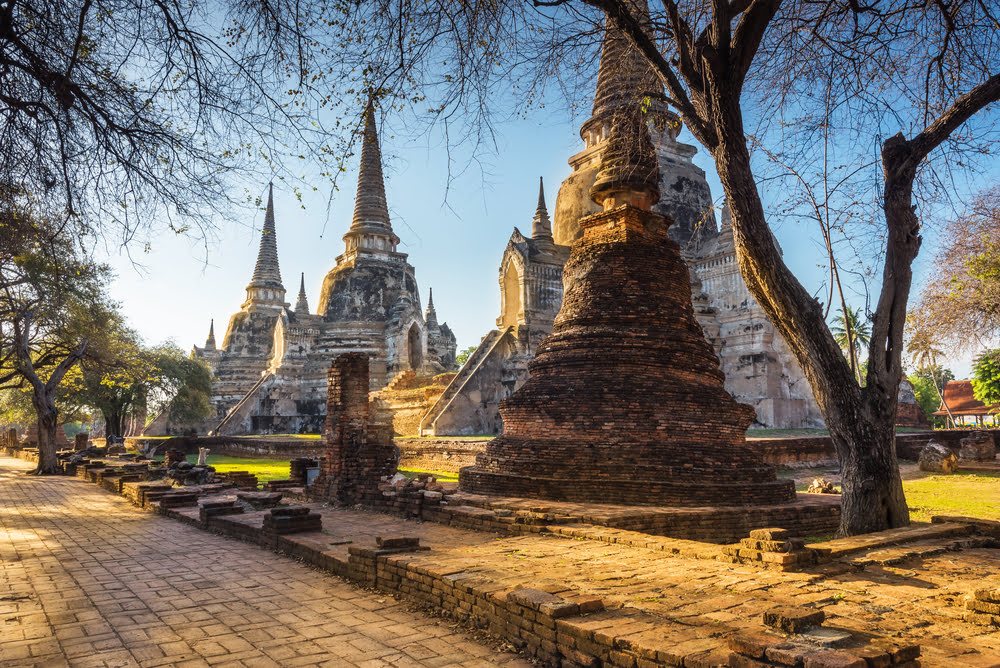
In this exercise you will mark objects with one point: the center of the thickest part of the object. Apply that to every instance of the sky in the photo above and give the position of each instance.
(454, 234)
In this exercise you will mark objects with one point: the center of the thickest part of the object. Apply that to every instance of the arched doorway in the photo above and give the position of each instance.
(511, 296)
(414, 349)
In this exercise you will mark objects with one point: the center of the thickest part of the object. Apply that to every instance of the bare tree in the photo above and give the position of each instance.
(960, 304)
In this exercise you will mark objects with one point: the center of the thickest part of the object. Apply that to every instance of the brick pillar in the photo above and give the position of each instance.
(80, 442)
(358, 454)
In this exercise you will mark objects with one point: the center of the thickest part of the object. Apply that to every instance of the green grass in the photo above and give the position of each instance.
(265, 469)
(442, 476)
(969, 493)
(303, 437)
(473, 437)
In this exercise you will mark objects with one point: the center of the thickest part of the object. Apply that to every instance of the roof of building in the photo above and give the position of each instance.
(958, 394)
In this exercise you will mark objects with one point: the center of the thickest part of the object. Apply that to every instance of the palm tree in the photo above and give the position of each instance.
(852, 334)
(925, 356)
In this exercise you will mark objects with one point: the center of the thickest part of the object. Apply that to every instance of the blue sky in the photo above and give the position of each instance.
(455, 246)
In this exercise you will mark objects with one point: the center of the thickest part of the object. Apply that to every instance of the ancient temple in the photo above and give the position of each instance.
(626, 389)
(531, 288)
(760, 370)
(271, 369)
(247, 344)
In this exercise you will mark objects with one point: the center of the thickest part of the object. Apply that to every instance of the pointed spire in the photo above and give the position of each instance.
(370, 227)
(541, 227)
(266, 271)
(210, 341)
(624, 76)
(302, 304)
(727, 217)
(430, 317)
(370, 205)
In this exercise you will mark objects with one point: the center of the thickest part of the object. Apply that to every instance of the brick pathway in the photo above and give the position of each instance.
(88, 580)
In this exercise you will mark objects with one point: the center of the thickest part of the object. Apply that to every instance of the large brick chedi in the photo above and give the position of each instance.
(625, 403)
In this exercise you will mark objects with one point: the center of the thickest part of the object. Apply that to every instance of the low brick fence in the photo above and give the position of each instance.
(237, 446)
(818, 449)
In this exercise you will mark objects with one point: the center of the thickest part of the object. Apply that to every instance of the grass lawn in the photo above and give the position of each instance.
(264, 469)
(442, 476)
(970, 493)
(789, 433)
(973, 493)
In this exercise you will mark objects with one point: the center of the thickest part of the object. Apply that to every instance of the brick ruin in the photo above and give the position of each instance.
(759, 368)
(626, 402)
(357, 440)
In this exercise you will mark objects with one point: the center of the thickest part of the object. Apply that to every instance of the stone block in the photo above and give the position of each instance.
(978, 447)
(833, 659)
(770, 534)
(793, 620)
(753, 643)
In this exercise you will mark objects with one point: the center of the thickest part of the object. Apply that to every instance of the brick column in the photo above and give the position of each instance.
(359, 450)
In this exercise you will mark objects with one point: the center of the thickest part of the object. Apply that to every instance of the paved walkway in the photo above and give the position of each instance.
(88, 580)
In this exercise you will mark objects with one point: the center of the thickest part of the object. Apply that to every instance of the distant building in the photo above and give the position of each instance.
(963, 405)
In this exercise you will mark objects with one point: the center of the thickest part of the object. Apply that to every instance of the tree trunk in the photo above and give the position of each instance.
(872, 490)
(114, 424)
(861, 420)
(48, 422)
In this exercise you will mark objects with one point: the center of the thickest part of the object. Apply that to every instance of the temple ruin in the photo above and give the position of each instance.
(626, 388)
(759, 368)
(271, 370)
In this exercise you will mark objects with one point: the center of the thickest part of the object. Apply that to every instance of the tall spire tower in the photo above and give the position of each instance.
(541, 228)
(626, 79)
(265, 288)
(430, 316)
(370, 228)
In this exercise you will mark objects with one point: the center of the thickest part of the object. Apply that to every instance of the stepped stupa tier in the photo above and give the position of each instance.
(624, 78)
(625, 402)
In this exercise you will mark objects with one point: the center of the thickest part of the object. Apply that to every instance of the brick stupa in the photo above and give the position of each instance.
(626, 403)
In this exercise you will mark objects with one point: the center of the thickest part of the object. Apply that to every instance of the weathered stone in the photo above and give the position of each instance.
(770, 534)
(358, 443)
(978, 447)
(937, 459)
(821, 486)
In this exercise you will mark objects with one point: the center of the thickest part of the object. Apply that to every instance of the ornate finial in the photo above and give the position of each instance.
(267, 271)
(629, 172)
(370, 206)
(302, 304)
(727, 217)
(541, 227)
(210, 341)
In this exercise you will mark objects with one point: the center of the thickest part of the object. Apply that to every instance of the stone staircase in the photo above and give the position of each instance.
(468, 370)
